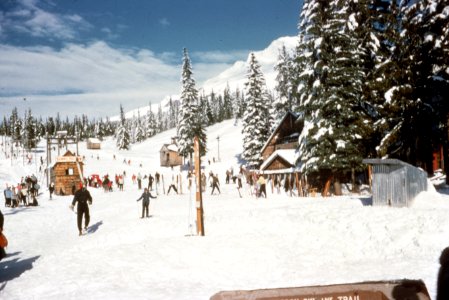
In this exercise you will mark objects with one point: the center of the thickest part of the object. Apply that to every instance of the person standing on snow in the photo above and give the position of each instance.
(172, 185)
(215, 183)
(51, 188)
(262, 186)
(2, 250)
(83, 197)
(146, 195)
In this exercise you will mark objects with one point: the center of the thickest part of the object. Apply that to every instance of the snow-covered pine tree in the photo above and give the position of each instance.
(330, 89)
(16, 125)
(150, 121)
(30, 139)
(140, 130)
(189, 125)
(238, 104)
(213, 103)
(283, 67)
(123, 138)
(160, 119)
(100, 131)
(424, 57)
(256, 116)
(227, 103)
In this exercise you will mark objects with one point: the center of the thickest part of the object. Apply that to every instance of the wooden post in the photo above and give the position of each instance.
(298, 185)
(272, 183)
(199, 199)
(370, 178)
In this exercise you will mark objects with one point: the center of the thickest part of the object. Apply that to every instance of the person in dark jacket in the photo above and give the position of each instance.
(146, 195)
(215, 183)
(83, 197)
(443, 276)
(51, 188)
(2, 250)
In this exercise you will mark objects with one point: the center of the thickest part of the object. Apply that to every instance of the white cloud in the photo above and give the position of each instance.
(27, 17)
(97, 75)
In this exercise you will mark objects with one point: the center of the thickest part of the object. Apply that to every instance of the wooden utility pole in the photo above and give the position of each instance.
(199, 198)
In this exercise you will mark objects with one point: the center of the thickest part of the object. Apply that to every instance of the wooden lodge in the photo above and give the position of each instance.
(93, 143)
(285, 135)
(169, 155)
(65, 173)
(279, 153)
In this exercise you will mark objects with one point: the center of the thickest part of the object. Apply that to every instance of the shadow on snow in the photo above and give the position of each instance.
(13, 268)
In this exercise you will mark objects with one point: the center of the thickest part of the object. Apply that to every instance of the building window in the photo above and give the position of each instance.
(69, 171)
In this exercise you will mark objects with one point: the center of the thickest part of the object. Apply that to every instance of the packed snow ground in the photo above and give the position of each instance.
(250, 243)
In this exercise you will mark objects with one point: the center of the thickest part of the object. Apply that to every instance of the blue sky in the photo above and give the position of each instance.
(60, 55)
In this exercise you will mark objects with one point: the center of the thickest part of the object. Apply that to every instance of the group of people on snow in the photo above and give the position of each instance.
(24, 193)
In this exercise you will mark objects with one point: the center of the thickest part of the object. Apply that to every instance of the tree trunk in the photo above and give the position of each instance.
(327, 186)
(337, 188)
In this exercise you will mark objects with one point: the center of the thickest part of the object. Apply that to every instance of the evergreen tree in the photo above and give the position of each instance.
(30, 138)
(16, 125)
(330, 87)
(227, 103)
(189, 124)
(140, 131)
(160, 119)
(123, 138)
(255, 118)
(151, 127)
(51, 127)
(283, 67)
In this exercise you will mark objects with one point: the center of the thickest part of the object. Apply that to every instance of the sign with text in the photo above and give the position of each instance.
(60, 159)
(381, 290)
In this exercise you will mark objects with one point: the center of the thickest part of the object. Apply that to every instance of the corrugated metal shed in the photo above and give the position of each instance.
(395, 183)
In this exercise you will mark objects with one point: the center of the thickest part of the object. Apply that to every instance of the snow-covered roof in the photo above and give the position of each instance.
(170, 147)
(287, 154)
(94, 140)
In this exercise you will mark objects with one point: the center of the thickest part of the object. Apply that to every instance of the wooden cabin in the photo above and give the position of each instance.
(279, 153)
(65, 173)
(169, 155)
(93, 143)
(284, 136)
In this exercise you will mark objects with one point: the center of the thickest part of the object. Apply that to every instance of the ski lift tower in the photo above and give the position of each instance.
(61, 139)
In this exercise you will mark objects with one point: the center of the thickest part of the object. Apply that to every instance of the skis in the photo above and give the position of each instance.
(163, 183)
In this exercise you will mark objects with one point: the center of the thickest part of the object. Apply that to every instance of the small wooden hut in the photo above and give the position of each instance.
(394, 182)
(169, 155)
(93, 143)
(65, 173)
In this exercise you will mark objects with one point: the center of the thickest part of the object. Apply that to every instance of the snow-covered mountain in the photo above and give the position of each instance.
(234, 76)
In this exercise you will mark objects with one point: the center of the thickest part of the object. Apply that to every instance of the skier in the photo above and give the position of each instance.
(139, 181)
(51, 188)
(146, 195)
(83, 197)
(150, 182)
(215, 183)
(172, 185)
(157, 178)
